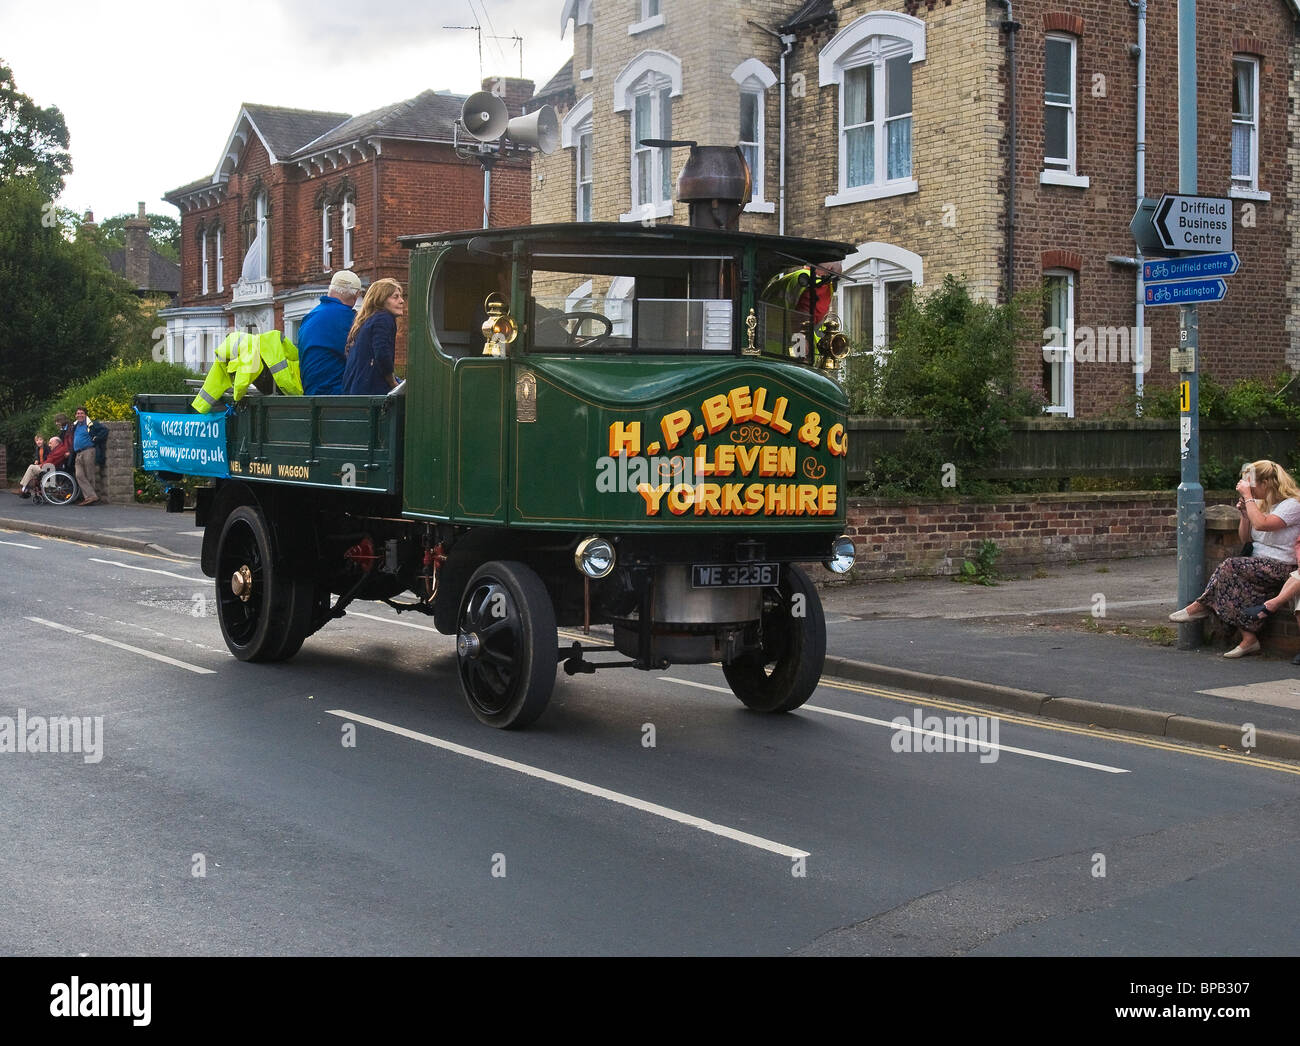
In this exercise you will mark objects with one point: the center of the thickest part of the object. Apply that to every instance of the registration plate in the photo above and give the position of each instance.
(734, 575)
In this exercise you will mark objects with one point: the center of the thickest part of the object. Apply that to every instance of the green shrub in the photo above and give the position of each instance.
(951, 362)
(109, 394)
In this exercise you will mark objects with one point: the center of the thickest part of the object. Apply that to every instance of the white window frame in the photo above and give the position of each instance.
(1248, 188)
(349, 225)
(648, 71)
(584, 183)
(221, 278)
(1066, 351)
(1053, 172)
(326, 245)
(755, 78)
(877, 264)
(871, 40)
(203, 260)
(576, 124)
(652, 17)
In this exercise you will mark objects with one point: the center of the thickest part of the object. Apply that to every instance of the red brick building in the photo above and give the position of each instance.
(298, 195)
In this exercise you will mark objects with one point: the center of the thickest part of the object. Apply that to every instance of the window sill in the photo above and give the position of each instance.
(1240, 192)
(1074, 181)
(861, 193)
(653, 22)
(649, 212)
(760, 207)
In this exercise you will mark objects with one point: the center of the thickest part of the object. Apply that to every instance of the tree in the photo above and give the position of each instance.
(65, 312)
(164, 233)
(33, 140)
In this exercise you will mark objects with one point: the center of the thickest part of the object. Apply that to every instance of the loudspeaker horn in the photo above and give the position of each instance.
(484, 116)
(539, 130)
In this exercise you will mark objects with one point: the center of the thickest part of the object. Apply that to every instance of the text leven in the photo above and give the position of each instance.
(75, 999)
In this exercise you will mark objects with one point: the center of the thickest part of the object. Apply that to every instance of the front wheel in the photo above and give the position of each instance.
(783, 673)
(264, 610)
(506, 645)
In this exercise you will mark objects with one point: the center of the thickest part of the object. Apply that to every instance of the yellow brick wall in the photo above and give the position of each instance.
(953, 220)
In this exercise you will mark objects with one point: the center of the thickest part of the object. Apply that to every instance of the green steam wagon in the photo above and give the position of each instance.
(600, 424)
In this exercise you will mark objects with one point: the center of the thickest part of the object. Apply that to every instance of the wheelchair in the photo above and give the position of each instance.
(56, 487)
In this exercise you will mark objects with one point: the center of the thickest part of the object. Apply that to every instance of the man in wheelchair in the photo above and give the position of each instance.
(54, 485)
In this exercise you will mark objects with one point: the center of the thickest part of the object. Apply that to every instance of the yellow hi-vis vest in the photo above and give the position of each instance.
(239, 360)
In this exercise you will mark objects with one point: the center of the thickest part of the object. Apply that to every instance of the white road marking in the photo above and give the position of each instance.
(982, 745)
(151, 570)
(19, 544)
(581, 786)
(127, 647)
(55, 624)
(390, 621)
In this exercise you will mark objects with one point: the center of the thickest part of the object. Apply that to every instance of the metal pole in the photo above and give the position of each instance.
(1191, 496)
(487, 192)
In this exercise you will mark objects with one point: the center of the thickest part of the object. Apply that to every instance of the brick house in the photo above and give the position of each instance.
(298, 195)
(893, 132)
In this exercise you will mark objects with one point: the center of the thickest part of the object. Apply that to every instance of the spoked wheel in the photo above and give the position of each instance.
(59, 488)
(506, 645)
(783, 674)
(265, 612)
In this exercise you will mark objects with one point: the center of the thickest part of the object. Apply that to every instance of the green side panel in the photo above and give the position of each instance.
(480, 438)
(312, 441)
(565, 475)
(427, 486)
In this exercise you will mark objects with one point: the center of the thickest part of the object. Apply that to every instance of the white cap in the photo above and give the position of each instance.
(347, 281)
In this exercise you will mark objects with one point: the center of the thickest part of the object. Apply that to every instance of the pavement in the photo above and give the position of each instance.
(1088, 643)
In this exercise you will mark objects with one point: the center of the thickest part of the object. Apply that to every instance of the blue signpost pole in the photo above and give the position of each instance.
(1191, 496)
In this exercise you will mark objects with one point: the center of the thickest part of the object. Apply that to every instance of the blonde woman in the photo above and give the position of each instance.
(372, 341)
(1270, 519)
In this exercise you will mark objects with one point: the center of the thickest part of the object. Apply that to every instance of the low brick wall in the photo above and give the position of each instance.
(118, 474)
(930, 538)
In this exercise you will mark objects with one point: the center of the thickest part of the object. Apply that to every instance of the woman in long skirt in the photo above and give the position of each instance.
(1269, 507)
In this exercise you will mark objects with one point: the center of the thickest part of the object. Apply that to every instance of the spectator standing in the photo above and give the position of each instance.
(88, 440)
(372, 341)
(323, 336)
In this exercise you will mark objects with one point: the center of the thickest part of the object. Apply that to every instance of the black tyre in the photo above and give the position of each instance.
(265, 612)
(506, 645)
(784, 673)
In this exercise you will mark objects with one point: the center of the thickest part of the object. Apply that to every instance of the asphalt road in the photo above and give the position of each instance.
(349, 803)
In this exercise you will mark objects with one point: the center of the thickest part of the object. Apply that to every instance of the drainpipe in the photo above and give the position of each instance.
(787, 41)
(1139, 329)
(1010, 26)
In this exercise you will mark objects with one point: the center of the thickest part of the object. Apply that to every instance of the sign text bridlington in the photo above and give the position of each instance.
(748, 457)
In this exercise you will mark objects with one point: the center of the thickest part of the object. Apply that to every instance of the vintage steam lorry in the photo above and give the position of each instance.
(600, 424)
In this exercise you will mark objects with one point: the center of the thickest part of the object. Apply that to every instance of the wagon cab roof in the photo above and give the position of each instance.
(598, 237)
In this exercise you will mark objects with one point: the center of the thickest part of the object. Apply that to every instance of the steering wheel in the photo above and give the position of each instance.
(563, 319)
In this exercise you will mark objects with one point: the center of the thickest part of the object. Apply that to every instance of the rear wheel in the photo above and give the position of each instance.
(59, 488)
(265, 612)
(506, 645)
(783, 673)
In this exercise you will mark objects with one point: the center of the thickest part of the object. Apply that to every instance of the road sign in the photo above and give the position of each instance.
(1197, 224)
(1142, 229)
(1196, 267)
(1186, 292)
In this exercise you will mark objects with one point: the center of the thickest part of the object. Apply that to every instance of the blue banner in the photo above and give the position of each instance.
(192, 444)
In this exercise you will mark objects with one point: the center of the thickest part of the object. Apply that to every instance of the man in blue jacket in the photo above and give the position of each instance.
(323, 334)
